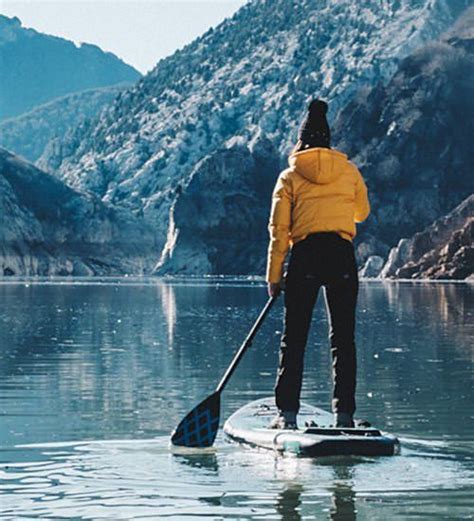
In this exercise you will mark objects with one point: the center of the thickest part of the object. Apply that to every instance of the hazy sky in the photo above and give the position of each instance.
(138, 31)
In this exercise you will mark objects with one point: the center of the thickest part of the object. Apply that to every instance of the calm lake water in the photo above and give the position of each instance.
(95, 374)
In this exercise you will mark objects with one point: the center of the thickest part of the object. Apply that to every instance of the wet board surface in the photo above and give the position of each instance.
(315, 436)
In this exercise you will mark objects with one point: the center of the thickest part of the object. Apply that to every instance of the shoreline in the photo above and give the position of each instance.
(149, 280)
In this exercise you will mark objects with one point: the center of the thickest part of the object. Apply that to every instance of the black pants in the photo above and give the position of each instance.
(322, 259)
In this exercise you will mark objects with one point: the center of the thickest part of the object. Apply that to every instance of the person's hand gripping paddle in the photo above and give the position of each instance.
(199, 427)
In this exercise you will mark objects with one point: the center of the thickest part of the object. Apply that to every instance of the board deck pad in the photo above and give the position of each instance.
(316, 436)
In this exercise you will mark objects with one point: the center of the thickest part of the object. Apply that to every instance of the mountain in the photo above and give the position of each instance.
(37, 68)
(29, 134)
(48, 228)
(444, 250)
(247, 80)
(414, 146)
(250, 76)
(413, 140)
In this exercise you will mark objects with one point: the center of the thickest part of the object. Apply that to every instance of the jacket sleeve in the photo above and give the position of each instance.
(362, 206)
(279, 228)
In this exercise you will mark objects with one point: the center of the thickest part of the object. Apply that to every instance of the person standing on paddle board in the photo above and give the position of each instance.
(315, 205)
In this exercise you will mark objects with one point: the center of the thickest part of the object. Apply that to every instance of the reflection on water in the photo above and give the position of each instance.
(200, 460)
(343, 495)
(289, 502)
(94, 478)
(168, 302)
(93, 377)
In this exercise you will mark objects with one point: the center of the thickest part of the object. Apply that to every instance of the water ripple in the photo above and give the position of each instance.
(142, 478)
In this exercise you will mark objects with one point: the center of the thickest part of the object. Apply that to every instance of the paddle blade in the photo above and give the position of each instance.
(199, 427)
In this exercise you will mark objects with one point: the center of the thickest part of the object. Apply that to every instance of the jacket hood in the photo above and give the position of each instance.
(318, 165)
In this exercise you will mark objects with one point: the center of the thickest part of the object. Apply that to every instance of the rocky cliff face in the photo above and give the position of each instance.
(37, 68)
(47, 228)
(28, 135)
(216, 221)
(412, 139)
(444, 250)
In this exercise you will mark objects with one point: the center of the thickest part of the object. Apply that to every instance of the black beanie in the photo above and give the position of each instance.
(314, 131)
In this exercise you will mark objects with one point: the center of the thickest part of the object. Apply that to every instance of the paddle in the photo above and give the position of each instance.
(199, 427)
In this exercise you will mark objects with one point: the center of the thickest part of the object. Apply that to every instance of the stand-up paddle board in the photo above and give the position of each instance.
(315, 436)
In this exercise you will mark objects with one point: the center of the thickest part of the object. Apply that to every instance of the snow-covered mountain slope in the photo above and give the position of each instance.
(36, 68)
(251, 75)
(47, 228)
(29, 134)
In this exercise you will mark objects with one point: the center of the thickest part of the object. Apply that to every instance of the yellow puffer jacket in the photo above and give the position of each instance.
(321, 191)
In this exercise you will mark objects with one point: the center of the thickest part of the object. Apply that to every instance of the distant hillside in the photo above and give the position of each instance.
(36, 68)
(27, 135)
(251, 76)
(48, 228)
(413, 138)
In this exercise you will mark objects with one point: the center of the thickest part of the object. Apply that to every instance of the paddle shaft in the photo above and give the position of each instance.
(247, 343)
